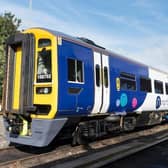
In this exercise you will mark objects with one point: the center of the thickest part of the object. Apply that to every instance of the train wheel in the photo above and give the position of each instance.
(77, 138)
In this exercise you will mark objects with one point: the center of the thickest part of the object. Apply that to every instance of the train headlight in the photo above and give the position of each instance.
(9, 129)
(46, 90)
(43, 90)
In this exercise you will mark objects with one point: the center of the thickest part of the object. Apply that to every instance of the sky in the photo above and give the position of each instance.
(137, 29)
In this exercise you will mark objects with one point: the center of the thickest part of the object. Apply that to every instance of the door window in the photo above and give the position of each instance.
(97, 75)
(106, 77)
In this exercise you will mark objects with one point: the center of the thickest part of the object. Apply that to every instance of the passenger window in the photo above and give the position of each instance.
(79, 71)
(166, 86)
(75, 71)
(145, 84)
(71, 70)
(97, 75)
(44, 66)
(44, 43)
(158, 86)
(127, 81)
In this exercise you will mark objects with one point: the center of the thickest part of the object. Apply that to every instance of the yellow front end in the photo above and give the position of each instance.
(31, 97)
(48, 100)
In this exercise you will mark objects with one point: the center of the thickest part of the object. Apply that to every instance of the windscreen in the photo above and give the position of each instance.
(44, 66)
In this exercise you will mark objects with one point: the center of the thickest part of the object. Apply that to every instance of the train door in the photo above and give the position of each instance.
(101, 83)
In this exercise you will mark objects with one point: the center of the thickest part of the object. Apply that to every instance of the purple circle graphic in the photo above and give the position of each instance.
(134, 102)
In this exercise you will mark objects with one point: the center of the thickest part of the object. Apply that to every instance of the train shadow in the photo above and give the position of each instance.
(39, 150)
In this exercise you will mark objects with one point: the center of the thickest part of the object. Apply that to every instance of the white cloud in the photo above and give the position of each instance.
(31, 18)
(152, 51)
(153, 8)
(157, 56)
(132, 22)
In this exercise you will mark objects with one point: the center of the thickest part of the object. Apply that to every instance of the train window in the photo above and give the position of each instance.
(127, 75)
(97, 75)
(79, 71)
(106, 77)
(44, 43)
(75, 71)
(145, 84)
(158, 86)
(71, 70)
(127, 81)
(44, 66)
(166, 86)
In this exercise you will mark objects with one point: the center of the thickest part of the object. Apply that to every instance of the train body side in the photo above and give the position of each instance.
(82, 101)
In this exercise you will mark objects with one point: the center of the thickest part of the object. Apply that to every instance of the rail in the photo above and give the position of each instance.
(96, 154)
(107, 156)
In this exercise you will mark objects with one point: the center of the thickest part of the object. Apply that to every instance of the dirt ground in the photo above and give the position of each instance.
(3, 142)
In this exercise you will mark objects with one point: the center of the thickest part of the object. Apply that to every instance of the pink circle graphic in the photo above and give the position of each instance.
(134, 102)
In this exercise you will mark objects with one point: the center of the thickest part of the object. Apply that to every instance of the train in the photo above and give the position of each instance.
(59, 86)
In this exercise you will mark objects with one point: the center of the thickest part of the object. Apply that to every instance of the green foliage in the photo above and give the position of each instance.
(8, 26)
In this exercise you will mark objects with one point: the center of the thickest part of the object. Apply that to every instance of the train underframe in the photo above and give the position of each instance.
(36, 132)
(92, 128)
(80, 129)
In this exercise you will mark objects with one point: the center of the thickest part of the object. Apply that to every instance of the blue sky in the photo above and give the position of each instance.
(137, 29)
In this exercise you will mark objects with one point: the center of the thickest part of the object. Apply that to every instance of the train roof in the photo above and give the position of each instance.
(95, 47)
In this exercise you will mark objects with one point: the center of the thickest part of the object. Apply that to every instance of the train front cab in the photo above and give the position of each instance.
(31, 88)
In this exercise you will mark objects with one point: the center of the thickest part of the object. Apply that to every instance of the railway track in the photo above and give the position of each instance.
(95, 154)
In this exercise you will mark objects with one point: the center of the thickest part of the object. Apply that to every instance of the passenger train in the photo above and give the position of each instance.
(58, 86)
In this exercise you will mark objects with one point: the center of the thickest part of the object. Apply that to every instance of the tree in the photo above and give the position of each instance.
(9, 25)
